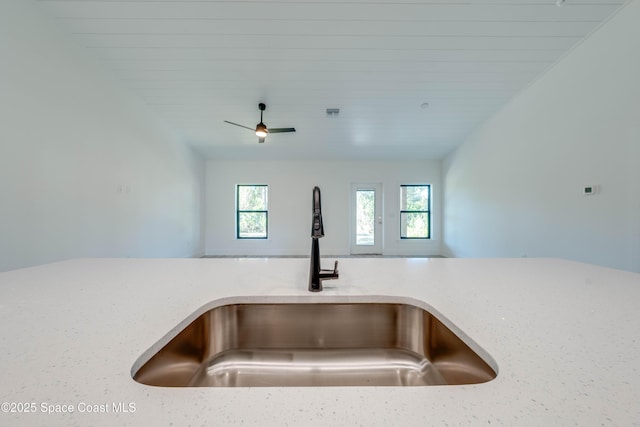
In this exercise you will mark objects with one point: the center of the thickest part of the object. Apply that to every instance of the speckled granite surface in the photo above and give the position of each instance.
(564, 336)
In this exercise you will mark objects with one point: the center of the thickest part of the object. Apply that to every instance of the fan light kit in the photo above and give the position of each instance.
(261, 129)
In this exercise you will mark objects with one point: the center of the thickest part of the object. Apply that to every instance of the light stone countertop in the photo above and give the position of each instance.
(564, 335)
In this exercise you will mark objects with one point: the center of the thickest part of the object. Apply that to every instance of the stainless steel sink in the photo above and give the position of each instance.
(314, 344)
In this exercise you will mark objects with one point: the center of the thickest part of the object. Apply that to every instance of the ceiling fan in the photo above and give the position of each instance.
(261, 129)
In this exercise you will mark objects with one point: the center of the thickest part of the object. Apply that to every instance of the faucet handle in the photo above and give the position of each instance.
(330, 274)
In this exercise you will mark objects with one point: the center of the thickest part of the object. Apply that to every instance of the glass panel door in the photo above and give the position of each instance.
(366, 218)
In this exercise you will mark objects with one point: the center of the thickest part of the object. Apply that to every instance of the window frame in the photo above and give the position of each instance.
(405, 211)
(241, 211)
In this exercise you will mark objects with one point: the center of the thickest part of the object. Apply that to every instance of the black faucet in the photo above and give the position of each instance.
(316, 274)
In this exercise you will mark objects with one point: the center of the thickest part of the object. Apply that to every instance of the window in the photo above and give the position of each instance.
(251, 211)
(365, 217)
(415, 214)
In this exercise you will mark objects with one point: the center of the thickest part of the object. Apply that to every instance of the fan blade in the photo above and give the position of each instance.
(281, 130)
(235, 124)
(261, 139)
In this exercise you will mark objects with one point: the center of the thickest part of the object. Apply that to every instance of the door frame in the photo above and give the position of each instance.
(376, 248)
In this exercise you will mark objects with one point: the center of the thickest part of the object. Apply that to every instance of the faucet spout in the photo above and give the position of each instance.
(317, 229)
(316, 274)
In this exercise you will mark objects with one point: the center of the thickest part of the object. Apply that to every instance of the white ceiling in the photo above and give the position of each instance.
(196, 63)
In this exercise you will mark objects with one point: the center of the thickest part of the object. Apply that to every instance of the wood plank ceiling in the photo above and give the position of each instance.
(196, 63)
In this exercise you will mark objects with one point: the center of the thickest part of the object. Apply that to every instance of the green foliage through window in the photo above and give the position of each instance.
(365, 217)
(415, 212)
(251, 211)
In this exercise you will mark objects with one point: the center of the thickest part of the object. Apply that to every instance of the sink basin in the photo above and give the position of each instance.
(313, 343)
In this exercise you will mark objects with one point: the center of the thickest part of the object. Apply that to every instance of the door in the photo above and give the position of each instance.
(366, 218)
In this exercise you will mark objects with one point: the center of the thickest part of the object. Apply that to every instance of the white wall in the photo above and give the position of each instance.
(514, 187)
(83, 171)
(290, 191)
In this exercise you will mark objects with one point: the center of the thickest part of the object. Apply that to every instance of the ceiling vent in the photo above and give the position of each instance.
(333, 112)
